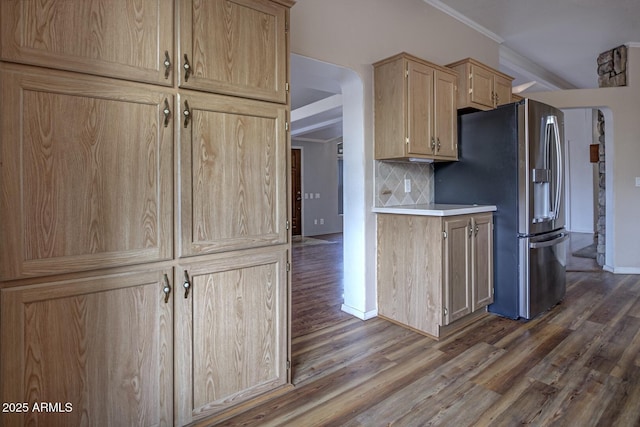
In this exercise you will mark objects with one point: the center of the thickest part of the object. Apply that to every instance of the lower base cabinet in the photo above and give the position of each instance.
(91, 351)
(435, 274)
(231, 331)
(155, 348)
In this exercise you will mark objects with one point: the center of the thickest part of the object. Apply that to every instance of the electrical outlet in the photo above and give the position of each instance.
(317, 195)
(407, 185)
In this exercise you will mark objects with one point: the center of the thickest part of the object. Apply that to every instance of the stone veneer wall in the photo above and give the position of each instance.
(612, 67)
(600, 224)
(389, 183)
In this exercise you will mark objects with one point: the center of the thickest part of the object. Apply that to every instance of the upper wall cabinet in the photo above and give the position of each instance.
(235, 47)
(415, 110)
(86, 172)
(481, 87)
(118, 38)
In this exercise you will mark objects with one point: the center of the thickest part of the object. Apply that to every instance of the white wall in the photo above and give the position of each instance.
(354, 34)
(319, 176)
(621, 108)
(578, 135)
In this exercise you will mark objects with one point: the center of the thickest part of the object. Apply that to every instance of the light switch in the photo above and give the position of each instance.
(317, 195)
(306, 195)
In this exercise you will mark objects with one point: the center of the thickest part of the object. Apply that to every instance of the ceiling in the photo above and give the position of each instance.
(545, 44)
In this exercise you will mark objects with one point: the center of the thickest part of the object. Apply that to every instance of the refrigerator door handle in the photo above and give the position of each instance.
(553, 121)
(558, 238)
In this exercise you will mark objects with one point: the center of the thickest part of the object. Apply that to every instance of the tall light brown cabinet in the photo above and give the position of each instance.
(143, 209)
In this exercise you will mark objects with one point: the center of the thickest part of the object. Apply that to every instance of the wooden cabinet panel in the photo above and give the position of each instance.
(420, 112)
(434, 272)
(481, 87)
(415, 109)
(233, 174)
(118, 38)
(409, 271)
(235, 47)
(231, 331)
(502, 89)
(457, 268)
(101, 347)
(446, 117)
(87, 173)
(482, 254)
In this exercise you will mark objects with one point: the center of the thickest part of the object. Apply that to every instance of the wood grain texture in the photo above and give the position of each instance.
(445, 117)
(233, 174)
(410, 271)
(232, 342)
(497, 372)
(415, 105)
(478, 85)
(90, 180)
(114, 38)
(235, 47)
(104, 345)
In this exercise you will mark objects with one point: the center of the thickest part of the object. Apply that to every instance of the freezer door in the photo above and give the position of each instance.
(542, 272)
(541, 174)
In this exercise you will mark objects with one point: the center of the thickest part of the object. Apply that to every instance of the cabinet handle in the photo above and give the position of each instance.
(186, 284)
(438, 143)
(433, 144)
(470, 229)
(187, 68)
(167, 112)
(187, 114)
(167, 64)
(166, 289)
(476, 230)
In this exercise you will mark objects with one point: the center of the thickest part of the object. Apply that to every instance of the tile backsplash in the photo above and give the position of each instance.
(389, 183)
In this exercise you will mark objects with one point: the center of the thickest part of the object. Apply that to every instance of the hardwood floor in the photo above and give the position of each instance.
(579, 241)
(576, 365)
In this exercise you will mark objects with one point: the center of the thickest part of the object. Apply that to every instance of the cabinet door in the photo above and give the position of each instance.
(481, 86)
(118, 38)
(457, 281)
(420, 110)
(446, 117)
(233, 174)
(235, 47)
(231, 331)
(482, 256)
(86, 175)
(99, 348)
(502, 89)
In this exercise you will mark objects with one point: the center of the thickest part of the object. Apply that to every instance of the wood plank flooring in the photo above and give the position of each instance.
(576, 365)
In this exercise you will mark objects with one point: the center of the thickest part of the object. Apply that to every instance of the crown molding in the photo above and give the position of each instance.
(526, 67)
(462, 18)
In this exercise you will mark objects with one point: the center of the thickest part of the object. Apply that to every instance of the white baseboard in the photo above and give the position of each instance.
(621, 270)
(362, 315)
(626, 270)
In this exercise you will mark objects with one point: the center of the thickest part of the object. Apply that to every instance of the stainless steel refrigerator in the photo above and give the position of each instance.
(512, 157)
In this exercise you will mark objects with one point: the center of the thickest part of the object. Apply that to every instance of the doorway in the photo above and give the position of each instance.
(296, 192)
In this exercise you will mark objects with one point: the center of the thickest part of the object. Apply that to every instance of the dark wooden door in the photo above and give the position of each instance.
(296, 192)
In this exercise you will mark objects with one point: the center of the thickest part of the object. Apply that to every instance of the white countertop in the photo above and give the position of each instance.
(435, 209)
